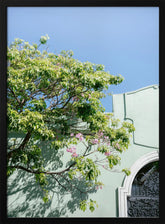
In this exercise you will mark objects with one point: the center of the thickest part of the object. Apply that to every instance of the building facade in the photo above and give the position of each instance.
(121, 195)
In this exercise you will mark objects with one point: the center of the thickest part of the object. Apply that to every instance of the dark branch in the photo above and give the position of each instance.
(59, 182)
(15, 96)
(25, 141)
(45, 172)
(22, 146)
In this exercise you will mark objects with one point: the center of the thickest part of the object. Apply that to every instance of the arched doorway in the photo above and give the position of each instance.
(144, 199)
(128, 200)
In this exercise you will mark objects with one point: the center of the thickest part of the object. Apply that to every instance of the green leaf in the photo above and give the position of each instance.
(126, 171)
(45, 199)
(83, 205)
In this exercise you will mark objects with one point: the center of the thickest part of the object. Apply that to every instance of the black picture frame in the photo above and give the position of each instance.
(3, 98)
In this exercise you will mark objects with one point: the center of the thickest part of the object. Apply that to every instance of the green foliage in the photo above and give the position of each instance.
(41, 178)
(126, 171)
(113, 160)
(48, 95)
(86, 167)
(44, 39)
(91, 205)
(83, 205)
(10, 171)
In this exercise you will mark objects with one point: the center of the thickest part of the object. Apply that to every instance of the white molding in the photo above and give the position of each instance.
(154, 86)
(125, 191)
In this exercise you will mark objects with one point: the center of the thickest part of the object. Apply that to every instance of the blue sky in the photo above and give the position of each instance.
(124, 39)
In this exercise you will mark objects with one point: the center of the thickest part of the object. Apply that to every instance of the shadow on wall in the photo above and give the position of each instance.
(25, 195)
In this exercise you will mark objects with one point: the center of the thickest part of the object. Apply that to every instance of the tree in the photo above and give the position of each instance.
(48, 96)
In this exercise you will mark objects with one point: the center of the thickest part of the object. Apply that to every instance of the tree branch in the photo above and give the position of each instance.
(15, 95)
(22, 146)
(59, 183)
(45, 172)
(25, 141)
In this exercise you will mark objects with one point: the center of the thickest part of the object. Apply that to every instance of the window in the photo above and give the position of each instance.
(144, 199)
(129, 187)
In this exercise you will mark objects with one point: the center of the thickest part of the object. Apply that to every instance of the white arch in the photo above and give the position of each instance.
(125, 191)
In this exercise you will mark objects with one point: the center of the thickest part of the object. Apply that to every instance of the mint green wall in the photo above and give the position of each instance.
(25, 197)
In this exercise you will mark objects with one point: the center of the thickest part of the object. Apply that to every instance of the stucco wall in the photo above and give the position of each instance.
(141, 108)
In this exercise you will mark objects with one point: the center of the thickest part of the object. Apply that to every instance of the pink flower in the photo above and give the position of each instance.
(95, 141)
(78, 135)
(97, 187)
(73, 149)
(89, 96)
(69, 150)
(81, 138)
(72, 134)
(107, 153)
(74, 154)
(82, 94)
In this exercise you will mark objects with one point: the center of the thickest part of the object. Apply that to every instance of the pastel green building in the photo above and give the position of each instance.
(115, 199)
